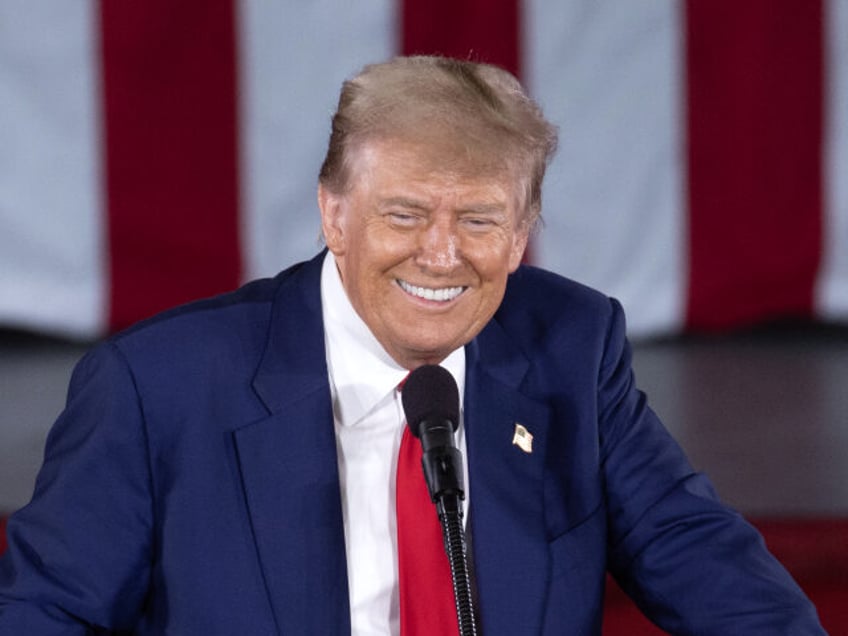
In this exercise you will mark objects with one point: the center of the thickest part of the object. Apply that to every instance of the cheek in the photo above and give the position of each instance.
(498, 259)
(519, 244)
(381, 249)
(368, 268)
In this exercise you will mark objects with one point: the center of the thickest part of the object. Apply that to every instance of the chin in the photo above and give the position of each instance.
(434, 355)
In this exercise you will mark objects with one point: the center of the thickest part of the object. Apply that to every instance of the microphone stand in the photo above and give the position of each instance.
(450, 515)
(431, 404)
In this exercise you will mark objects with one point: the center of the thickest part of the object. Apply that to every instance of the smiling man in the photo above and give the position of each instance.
(423, 252)
(230, 466)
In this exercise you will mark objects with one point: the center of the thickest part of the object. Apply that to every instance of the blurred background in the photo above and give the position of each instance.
(153, 153)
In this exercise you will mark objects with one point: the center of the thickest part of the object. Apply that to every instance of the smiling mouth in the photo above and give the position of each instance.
(441, 294)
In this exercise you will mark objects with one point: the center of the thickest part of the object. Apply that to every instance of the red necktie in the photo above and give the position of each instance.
(427, 605)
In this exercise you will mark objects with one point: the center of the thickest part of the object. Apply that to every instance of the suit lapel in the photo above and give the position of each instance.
(506, 485)
(289, 472)
(289, 468)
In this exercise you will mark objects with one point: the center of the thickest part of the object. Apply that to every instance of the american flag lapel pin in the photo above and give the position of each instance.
(523, 438)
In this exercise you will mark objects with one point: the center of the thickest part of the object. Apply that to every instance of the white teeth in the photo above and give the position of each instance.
(442, 294)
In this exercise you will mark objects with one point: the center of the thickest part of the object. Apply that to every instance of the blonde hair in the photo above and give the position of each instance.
(470, 116)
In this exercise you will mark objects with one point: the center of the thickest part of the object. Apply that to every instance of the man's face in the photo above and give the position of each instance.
(424, 253)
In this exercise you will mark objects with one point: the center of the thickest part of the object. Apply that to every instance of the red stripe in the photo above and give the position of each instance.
(169, 92)
(481, 30)
(755, 167)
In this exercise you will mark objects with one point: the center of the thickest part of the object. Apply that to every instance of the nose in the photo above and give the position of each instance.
(438, 250)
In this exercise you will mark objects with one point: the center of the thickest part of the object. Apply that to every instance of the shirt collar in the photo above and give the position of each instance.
(361, 372)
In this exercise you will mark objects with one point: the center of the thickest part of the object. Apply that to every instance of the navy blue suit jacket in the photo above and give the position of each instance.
(191, 486)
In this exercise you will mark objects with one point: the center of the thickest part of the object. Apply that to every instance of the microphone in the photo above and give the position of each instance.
(431, 403)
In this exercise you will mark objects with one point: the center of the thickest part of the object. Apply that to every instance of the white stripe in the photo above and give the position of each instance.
(294, 59)
(609, 74)
(51, 266)
(832, 291)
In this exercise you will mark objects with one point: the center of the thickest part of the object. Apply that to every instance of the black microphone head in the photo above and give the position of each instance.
(430, 393)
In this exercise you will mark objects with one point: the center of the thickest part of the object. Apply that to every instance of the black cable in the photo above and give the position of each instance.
(450, 516)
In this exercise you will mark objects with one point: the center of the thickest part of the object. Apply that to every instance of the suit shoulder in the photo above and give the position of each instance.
(543, 312)
(250, 299)
(532, 291)
(238, 318)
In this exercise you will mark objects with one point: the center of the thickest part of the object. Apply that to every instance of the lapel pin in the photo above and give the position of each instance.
(523, 438)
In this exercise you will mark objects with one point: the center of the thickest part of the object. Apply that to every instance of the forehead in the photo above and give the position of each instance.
(401, 163)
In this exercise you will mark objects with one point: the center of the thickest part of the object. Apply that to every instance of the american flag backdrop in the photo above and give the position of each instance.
(154, 152)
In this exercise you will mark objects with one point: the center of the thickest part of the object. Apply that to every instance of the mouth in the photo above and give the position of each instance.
(437, 294)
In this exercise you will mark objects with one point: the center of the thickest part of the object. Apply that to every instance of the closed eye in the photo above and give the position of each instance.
(405, 219)
(480, 224)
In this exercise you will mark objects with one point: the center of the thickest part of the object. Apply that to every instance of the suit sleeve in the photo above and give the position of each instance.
(79, 554)
(690, 563)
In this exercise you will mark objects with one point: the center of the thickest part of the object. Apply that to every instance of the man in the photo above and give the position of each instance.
(227, 467)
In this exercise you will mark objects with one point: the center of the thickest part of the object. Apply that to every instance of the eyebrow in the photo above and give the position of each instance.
(413, 204)
(487, 209)
(403, 202)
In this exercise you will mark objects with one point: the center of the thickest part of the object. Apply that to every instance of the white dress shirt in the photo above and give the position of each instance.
(369, 423)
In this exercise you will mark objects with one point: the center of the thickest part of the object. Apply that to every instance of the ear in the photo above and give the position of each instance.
(519, 244)
(331, 206)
